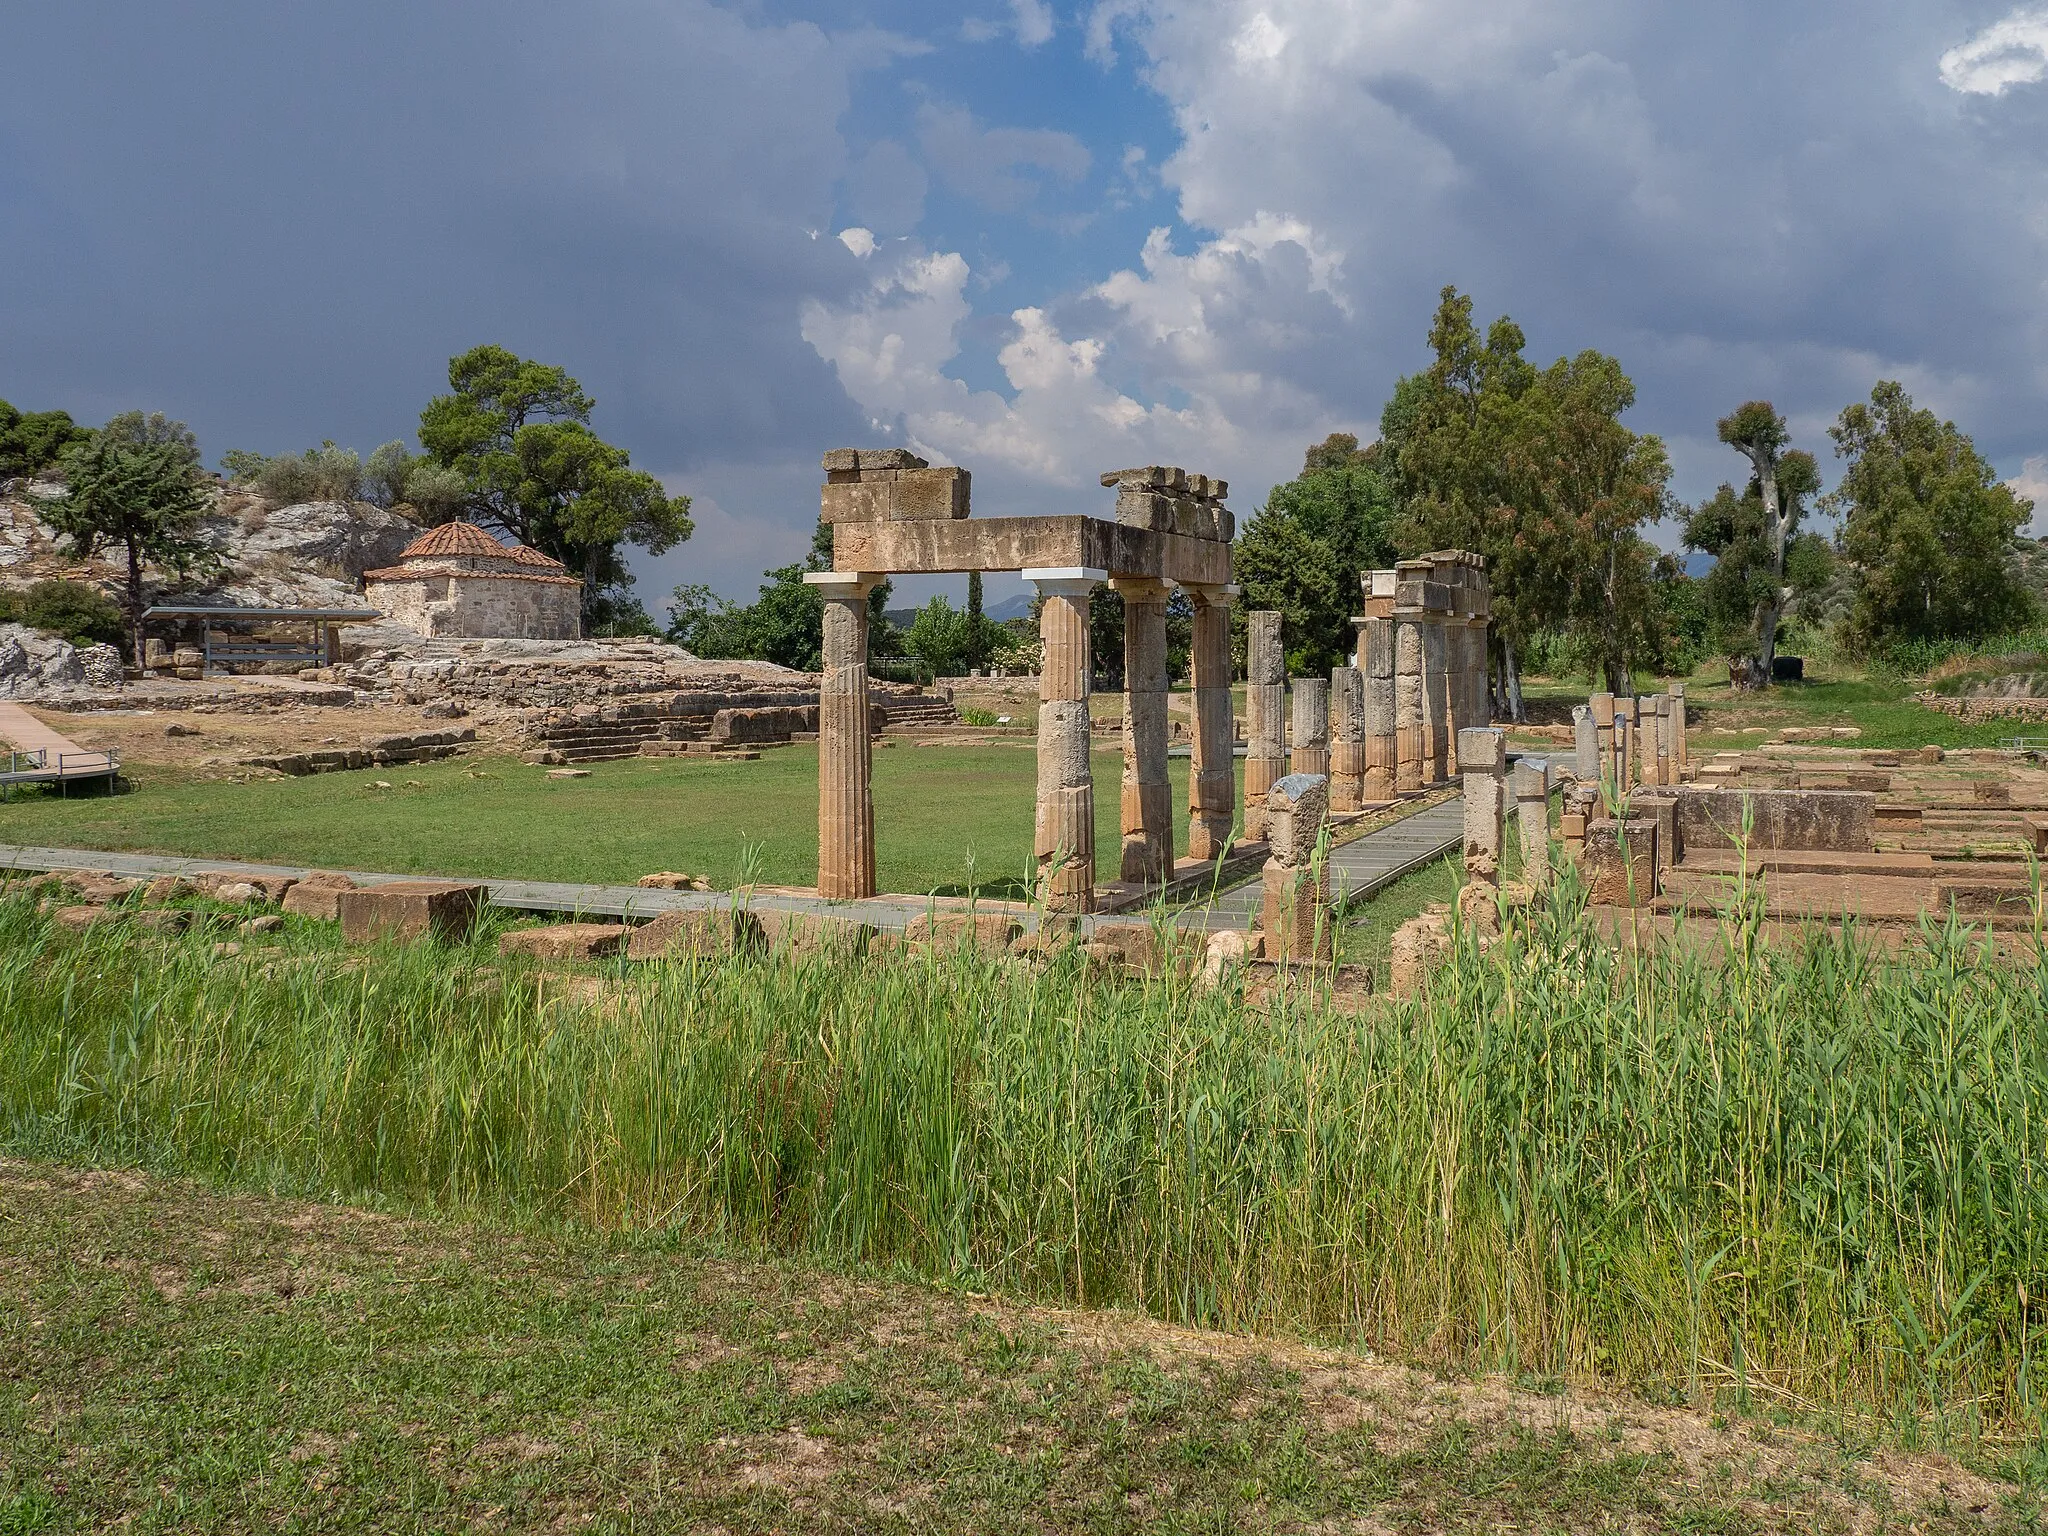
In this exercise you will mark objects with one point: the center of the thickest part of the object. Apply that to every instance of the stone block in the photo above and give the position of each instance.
(889, 458)
(1420, 947)
(1618, 863)
(1294, 914)
(1142, 948)
(1144, 508)
(671, 880)
(854, 501)
(407, 910)
(1297, 806)
(318, 896)
(921, 494)
(565, 941)
(1482, 749)
(1837, 820)
(168, 888)
(706, 932)
(813, 933)
(844, 460)
(97, 887)
(985, 932)
(79, 919)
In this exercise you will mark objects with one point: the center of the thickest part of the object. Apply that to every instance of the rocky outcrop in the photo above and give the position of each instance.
(34, 665)
(304, 556)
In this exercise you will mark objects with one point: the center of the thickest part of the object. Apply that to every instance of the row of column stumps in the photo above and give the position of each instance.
(1626, 742)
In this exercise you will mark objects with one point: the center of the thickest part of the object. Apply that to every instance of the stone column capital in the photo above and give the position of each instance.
(1211, 594)
(845, 584)
(1141, 589)
(1064, 580)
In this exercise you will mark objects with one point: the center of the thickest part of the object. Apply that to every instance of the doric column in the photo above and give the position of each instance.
(1436, 703)
(1347, 739)
(846, 808)
(1064, 840)
(1265, 716)
(1311, 752)
(1212, 767)
(1530, 782)
(1294, 914)
(1147, 801)
(1376, 664)
(1410, 742)
(1647, 733)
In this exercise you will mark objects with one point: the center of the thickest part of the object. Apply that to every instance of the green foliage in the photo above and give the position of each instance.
(1927, 527)
(1818, 1160)
(785, 624)
(153, 429)
(135, 484)
(940, 638)
(80, 613)
(971, 714)
(517, 433)
(1533, 469)
(33, 442)
(385, 472)
(1303, 551)
(326, 473)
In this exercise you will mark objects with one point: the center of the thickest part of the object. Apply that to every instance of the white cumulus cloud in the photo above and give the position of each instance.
(2006, 53)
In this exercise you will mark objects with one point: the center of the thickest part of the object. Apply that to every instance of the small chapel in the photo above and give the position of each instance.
(459, 580)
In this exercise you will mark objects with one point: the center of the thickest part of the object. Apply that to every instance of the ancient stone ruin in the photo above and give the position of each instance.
(893, 514)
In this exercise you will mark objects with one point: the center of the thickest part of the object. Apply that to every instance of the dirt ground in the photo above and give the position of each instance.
(219, 737)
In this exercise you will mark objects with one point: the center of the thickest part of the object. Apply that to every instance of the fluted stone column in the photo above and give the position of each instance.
(1530, 782)
(1212, 769)
(1667, 748)
(1376, 664)
(1311, 751)
(1064, 840)
(1410, 738)
(1436, 703)
(1147, 801)
(846, 809)
(1347, 739)
(1647, 733)
(1265, 716)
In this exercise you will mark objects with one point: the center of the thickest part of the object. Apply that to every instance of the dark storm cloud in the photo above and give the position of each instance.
(280, 221)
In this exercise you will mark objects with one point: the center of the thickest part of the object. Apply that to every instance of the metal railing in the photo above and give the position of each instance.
(34, 767)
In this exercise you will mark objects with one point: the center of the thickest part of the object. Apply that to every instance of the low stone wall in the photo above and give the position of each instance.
(772, 724)
(1978, 710)
(1831, 820)
(420, 747)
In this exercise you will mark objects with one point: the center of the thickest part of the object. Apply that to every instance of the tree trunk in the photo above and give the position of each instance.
(133, 599)
(1512, 677)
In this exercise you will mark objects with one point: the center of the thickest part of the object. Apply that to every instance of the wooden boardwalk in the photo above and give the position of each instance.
(39, 754)
(1358, 869)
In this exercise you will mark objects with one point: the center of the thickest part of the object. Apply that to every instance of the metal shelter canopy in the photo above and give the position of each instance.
(201, 611)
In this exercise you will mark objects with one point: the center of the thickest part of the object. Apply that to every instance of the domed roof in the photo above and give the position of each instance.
(455, 539)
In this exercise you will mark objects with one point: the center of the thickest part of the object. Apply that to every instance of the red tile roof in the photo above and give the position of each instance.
(455, 539)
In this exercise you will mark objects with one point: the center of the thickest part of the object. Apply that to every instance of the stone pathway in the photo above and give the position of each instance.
(1358, 869)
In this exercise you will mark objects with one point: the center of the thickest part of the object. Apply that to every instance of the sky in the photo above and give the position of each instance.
(1039, 238)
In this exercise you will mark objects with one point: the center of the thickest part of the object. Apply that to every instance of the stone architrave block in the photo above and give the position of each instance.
(889, 458)
(937, 494)
(1151, 509)
(1831, 820)
(407, 910)
(565, 941)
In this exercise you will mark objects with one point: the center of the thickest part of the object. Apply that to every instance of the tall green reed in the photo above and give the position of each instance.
(1814, 1172)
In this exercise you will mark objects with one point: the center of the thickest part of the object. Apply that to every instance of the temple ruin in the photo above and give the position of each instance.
(1420, 673)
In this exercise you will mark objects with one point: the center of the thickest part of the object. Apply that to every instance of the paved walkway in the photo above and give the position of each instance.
(41, 755)
(1358, 869)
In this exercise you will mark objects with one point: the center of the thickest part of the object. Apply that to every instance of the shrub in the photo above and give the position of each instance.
(326, 473)
(974, 716)
(81, 614)
(437, 494)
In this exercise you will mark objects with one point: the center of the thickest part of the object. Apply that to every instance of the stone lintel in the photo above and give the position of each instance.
(933, 546)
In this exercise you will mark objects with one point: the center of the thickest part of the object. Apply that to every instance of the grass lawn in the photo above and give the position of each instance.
(942, 814)
(176, 1359)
